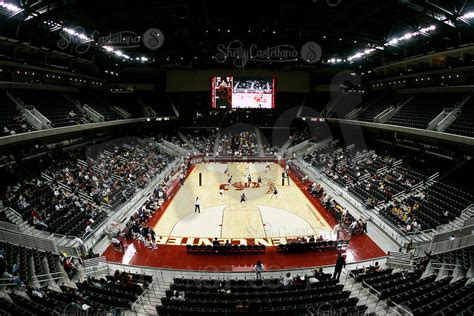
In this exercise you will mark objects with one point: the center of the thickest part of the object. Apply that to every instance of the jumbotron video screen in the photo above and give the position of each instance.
(243, 93)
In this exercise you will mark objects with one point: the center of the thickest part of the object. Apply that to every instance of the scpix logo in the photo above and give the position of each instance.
(310, 53)
(327, 309)
(152, 39)
(73, 309)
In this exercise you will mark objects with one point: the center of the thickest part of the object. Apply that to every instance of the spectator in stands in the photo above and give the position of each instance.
(12, 278)
(312, 280)
(416, 226)
(337, 230)
(36, 292)
(421, 195)
(340, 263)
(80, 244)
(287, 280)
(118, 244)
(364, 225)
(221, 288)
(87, 231)
(178, 296)
(298, 281)
(408, 228)
(69, 266)
(39, 224)
(93, 283)
(259, 268)
(152, 235)
(320, 275)
(374, 268)
(410, 246)
(352, 227)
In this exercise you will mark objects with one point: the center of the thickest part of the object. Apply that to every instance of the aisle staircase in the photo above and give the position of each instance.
(261, 150)
(217, 143)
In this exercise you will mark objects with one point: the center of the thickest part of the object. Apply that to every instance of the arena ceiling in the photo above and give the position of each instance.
(193, 30)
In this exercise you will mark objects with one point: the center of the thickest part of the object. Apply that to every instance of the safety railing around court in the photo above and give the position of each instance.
(166, 275)
(451, 245)
(50, 276)
(94, 266)
(33, 242)
(400, 310)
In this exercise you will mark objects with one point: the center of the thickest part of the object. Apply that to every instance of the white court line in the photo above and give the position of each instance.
(263, 223)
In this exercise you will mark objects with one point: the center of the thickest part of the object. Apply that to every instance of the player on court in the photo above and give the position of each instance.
(249, 181)
(259, 181)
(243, 199)
(197, 206)
(221, 193)
(275, 193)
(268, 168)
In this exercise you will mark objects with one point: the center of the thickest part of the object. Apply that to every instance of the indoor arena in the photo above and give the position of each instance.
(175, 158)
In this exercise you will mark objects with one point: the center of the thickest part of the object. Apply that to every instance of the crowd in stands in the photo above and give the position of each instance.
(436, 205)
(203, 139)
(271, 150)
(300, 136)
(51, 208)
(404, 212)
(137, 227)
(371, 177)
(346, 221)
(238, 144)
(71, 196)
(382, 180)
(12, 121)
(76, 118)
(15, 125)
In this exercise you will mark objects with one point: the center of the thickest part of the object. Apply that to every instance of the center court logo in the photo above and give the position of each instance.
(152, 39)
(310, 53)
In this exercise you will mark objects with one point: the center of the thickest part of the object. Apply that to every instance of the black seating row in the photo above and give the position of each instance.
(298, 247)
(226, 249)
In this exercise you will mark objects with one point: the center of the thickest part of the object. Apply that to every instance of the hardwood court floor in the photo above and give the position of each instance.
(289, 213)
(175, 257)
